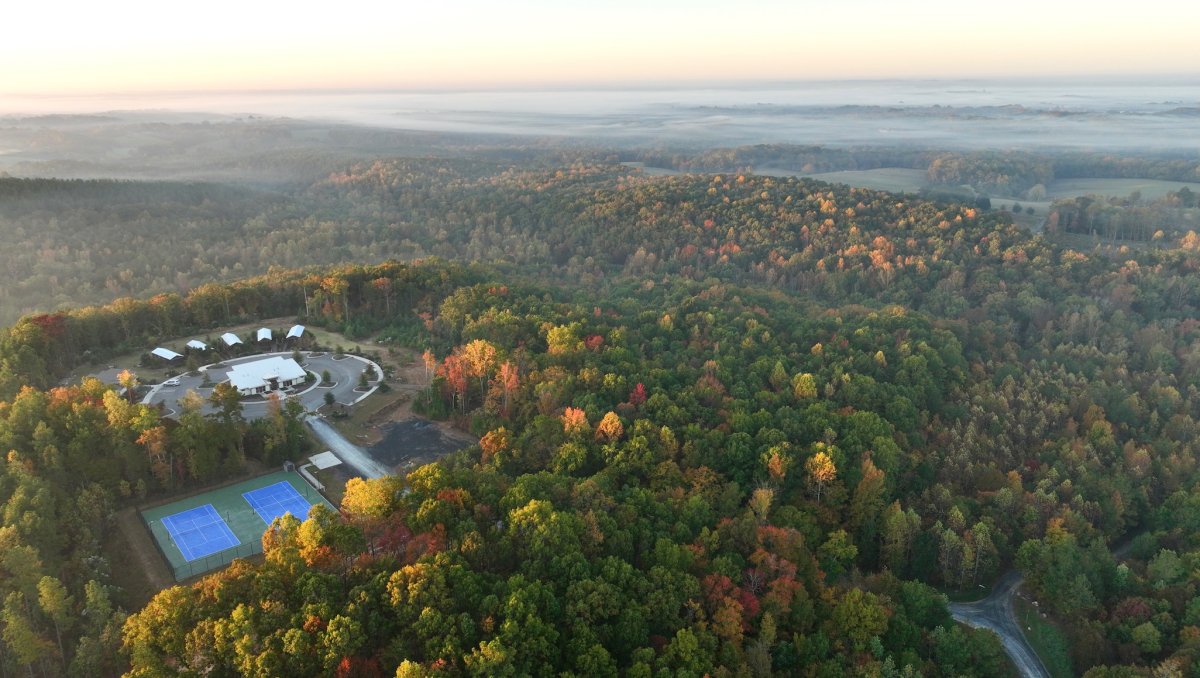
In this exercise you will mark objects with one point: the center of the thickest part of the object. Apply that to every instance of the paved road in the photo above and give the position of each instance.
(348, 452)
(343, 371)
(996, 613)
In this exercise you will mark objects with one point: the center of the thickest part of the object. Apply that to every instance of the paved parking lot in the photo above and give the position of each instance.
(343, 371)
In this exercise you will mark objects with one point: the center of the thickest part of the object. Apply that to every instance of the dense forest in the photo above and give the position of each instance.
(1129, 219)
(762, 429)
(283, 195)
(1010, 173)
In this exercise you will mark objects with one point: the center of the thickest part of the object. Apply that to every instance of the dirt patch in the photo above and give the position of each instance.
(400, 439)
(415, 442)
(138, 569)
(392, 435)
(366, 421)
(334, 479)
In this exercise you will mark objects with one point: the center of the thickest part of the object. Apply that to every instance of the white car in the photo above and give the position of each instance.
(173, 381)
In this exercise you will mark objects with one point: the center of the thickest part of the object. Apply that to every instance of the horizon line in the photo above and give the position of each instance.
(1157, 78)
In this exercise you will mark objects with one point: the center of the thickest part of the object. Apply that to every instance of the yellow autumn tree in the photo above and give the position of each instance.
(610, 428)
(821, 471)
(431, 363)
(804, 386)
(480, 356)
(128, 381)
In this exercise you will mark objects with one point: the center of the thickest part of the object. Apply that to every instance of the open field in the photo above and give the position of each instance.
(1087, 243)
(901, 180)
(1151, 189)
(650, 170)
(894, 179)
(1034, 222)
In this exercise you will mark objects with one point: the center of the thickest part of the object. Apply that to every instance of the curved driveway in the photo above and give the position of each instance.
(996, 613)
(343, 371)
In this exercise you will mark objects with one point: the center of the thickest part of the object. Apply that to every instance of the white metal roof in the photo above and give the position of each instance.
(264, 333)
(197, 344)
(165, 353)
(325, 460)
(231, 339)
(295, 332)
(255, 374)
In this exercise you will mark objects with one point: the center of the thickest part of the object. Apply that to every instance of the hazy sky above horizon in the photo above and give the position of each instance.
(141, 45)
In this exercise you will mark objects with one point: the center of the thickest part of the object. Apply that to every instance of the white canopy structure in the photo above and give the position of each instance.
(198, 345)
(266, 375)
(264, 334)
(166, 354)
(325, 460)
(296, 332)
(231, 339)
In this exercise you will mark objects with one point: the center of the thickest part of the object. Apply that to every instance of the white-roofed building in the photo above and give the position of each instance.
(266, 375)
(264, 334)
(231, 339)
(296, 332)
(197, 345)
(166, 354)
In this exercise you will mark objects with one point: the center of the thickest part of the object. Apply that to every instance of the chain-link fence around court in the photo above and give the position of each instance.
(234, 510)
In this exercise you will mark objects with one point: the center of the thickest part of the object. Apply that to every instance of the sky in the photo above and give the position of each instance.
(74, 47)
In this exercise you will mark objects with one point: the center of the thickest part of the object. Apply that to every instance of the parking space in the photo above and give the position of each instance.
(344, 373)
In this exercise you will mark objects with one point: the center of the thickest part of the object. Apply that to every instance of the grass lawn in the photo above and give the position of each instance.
(135, 586)
(1047, 640)
(1087, 243)
(334, 479)
(968, 595)
(1151, 189)
(894, 179)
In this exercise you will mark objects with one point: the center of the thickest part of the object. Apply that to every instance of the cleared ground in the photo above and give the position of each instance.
(389, 431)
(416, 442)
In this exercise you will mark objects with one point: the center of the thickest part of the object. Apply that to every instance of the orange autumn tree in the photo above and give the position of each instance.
(575, 421)
(509, 381)
(455, 373)
(155, 441)
(493, 443)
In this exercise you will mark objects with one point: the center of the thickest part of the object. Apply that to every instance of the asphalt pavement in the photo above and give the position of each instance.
(996, 614)
(344, 372)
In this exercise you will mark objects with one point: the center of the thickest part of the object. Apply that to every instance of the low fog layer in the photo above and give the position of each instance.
(1150, 116)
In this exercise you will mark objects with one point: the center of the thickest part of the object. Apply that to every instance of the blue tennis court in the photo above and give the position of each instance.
(272, 501)
(199, 532)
